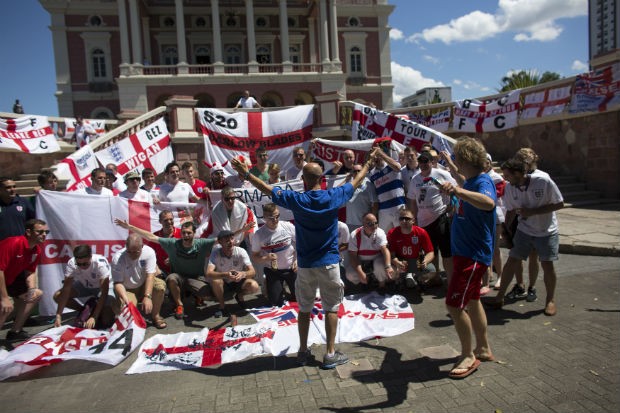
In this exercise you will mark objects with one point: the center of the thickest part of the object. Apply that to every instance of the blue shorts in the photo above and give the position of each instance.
(546, 247)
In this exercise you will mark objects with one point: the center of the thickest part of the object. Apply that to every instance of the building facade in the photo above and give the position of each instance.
(428, 96)
(125, 57)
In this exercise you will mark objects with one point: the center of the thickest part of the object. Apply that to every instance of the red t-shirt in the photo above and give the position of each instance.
(408, 245)
(200, 189)
(160, 254)
(16, 256)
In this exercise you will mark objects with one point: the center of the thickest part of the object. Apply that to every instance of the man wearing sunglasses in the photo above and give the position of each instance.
(87, 280)
(231, 214)
(133, 191)
(299, 160)
(19, 258)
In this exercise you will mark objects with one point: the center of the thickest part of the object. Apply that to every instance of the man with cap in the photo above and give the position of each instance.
(133, 191)
(217, 177)
(230, 269)
(431, 208)
(97, 186)
(187, 257)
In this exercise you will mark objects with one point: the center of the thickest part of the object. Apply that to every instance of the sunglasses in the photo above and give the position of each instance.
(41, 231)
(405, 219)
(371, 224)
(273, 218)
(230, 198)
(299, 155)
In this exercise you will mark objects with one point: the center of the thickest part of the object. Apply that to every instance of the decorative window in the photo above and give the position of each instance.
(168, 22)
(231, 20)
(202, 55)
(353, 22)
(95, 21)
(355, 60)
(200, 22)
(233, 54)
(99, 66)
(292, 21)
(294, 53)
(263, 53)
(262, 22)
(170, 56)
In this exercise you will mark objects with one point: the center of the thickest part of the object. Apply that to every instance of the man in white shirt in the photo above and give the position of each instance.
(97, 186)
(87, 278)
(247, 101)
(299, 160)
(118, 184)
(274, 246)
(133, 273)
(133, 191)
(84, 133)
(173, 190)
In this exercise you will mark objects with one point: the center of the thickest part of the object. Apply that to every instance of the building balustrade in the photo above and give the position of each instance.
(210, 69)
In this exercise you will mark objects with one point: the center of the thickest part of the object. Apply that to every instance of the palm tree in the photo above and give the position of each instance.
(526, 78)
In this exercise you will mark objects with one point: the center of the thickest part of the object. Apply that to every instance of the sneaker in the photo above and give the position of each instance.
(179, 313)
(331, 362)
(20, 335)
(410, 281)
(531, 295)
(517, 293)
(303, 357)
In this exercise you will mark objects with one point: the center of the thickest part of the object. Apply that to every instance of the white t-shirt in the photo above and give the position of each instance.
(343, 236)
(236, 262)
(180, 192)
(280, 241)
(369, 246)
(247, 103)
(540, 191)
(133, 273)
(293, 173)
(431, 202)
(91, 276)
(91, 191)
(140, 195)
(500, 208)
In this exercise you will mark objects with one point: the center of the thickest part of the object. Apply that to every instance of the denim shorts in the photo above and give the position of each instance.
(547, 247)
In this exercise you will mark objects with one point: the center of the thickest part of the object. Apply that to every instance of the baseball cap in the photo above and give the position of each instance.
(131, 175)
(225, 233)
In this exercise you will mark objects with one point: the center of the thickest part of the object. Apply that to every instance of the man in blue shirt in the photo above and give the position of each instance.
(472, 240)
(316, 231)
(14, 210)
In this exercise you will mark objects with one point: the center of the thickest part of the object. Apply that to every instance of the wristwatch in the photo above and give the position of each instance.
(149, 296)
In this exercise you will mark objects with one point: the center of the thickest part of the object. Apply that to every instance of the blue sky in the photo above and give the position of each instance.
(468, 45)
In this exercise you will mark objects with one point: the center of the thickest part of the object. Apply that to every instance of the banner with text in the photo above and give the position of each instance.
(30, 134)
(72, 343)
(228, 135)
(596, 91)
(76, 168)
(472, 115)
(439, 121)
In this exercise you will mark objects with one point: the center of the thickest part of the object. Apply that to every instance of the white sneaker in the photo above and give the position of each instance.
(410, 281)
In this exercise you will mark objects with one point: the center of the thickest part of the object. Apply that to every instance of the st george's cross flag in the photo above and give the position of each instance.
(546, 102)
(30, 134)
(149, 147)
(98, 126)
(76, 168)
(72, 343)
(372, 123)
(229, 135)
(472, 115)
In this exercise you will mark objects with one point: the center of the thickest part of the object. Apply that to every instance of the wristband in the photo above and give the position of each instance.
(247, 176)
(149, 296)
(388, 266)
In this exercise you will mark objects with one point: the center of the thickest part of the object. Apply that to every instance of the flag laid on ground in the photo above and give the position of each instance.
(227, 135)
(371, 123)
(182, 351)
(71, 343)
(472, 115)
(546, 102)
(30, 134)
(596, 91)
(149, 147)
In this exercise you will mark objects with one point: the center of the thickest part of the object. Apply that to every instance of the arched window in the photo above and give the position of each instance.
(233, 54)
(170, 55)
(203, 55)
(263, 53)
(294, 53)
(98, 59)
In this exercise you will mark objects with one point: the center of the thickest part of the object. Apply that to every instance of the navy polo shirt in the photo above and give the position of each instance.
(13, 216)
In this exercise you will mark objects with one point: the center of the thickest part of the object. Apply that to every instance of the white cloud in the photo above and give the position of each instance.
(457, 81)
(579, 66)
(432, 59)
(407, 81)
(396, 34)
(531, 20)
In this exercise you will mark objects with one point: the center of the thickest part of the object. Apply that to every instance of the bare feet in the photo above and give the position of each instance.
(484, 354)
(550, 309)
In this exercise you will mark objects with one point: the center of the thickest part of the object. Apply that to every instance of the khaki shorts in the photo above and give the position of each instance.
(134, 293)
(197, 287)
(327, 279)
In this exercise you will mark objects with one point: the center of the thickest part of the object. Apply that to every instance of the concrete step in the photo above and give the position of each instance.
(29, 177)
(25, 183)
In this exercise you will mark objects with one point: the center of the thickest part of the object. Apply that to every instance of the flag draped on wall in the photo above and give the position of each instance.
(30, 134)
(72, 343)
(227, 135)
(546, 102)
(596, 91)
(472, 115)
(439, 121)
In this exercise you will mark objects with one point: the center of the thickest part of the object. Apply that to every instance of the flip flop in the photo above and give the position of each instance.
(466, 373)
(485, 358)
(160, 323)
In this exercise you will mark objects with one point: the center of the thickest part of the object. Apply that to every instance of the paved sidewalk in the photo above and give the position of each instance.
(589, 231)
(570, 362)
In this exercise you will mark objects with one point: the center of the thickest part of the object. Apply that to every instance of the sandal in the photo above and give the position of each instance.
(159, 323)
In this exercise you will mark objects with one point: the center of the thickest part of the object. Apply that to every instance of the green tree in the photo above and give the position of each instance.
(526, 78)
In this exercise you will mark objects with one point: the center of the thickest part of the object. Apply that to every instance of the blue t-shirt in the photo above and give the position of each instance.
(316, 222)
(473, 230)
(14, 215)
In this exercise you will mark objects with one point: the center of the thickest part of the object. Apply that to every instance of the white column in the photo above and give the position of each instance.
(324, 46)
(311, 34)
(181, 45)
(146, 35)
(217, 36)
(136, 41)
(249, 21)
(122, 26)
(284, 42)
(334, 33)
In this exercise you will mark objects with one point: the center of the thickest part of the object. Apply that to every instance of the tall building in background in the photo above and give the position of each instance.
(428, 96)
(604, 33)
(129, 56)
